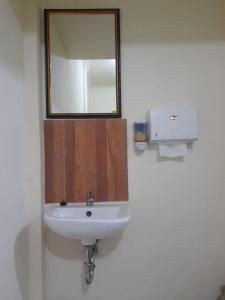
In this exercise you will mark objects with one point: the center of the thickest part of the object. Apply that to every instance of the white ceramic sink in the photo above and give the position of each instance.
(77, 221)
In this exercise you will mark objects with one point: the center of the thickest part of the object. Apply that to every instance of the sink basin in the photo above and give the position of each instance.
(77, 221)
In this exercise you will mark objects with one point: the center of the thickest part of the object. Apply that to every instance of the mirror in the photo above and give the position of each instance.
(82, 63)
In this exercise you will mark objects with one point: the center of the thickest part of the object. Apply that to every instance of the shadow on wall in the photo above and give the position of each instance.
(72, 249)
(21, 255)
(27, 260)
(164, 21)
(169, 21)
(17, 7)
(24, 11)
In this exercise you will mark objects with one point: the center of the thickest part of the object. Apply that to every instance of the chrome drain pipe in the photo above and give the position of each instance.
(89, 263)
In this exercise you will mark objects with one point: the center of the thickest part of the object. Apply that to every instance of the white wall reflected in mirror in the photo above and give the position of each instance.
(86, 86)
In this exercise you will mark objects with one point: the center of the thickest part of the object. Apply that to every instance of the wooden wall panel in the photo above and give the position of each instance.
(85, 155)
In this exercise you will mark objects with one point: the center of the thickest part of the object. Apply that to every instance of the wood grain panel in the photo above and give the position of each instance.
(85, 155)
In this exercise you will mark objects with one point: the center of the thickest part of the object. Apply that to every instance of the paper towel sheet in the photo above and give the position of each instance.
(172, 150)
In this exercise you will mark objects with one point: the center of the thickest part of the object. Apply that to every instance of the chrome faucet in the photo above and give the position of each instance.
(90, 199)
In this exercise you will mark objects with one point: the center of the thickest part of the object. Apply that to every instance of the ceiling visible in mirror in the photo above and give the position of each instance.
(73, 33)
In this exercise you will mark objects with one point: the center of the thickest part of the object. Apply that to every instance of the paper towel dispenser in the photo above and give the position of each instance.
(175, 125)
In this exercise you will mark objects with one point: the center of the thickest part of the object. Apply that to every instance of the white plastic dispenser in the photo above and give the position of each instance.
(172, 129)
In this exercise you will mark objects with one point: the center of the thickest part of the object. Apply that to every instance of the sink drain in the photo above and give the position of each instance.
(88, 213)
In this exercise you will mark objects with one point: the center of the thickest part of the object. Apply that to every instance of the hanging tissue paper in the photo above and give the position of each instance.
(172, 150)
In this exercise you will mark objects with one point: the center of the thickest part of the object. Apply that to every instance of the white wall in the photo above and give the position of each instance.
(14, 246)
(101, 99)
(173, 52)
(20, 190)
(33, 146)
(66, 74)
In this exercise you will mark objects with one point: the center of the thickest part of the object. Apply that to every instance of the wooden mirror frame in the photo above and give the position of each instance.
(49, 114)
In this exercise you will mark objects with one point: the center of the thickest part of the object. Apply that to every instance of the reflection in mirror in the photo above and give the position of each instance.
(82, 57)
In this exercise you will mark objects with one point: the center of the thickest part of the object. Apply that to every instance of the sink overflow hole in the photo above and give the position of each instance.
(88, 213)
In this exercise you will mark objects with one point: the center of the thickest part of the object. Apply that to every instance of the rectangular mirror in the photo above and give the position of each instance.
(82, 63)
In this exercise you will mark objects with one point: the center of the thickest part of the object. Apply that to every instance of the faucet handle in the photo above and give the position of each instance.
(90, 199)
(89, 195)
